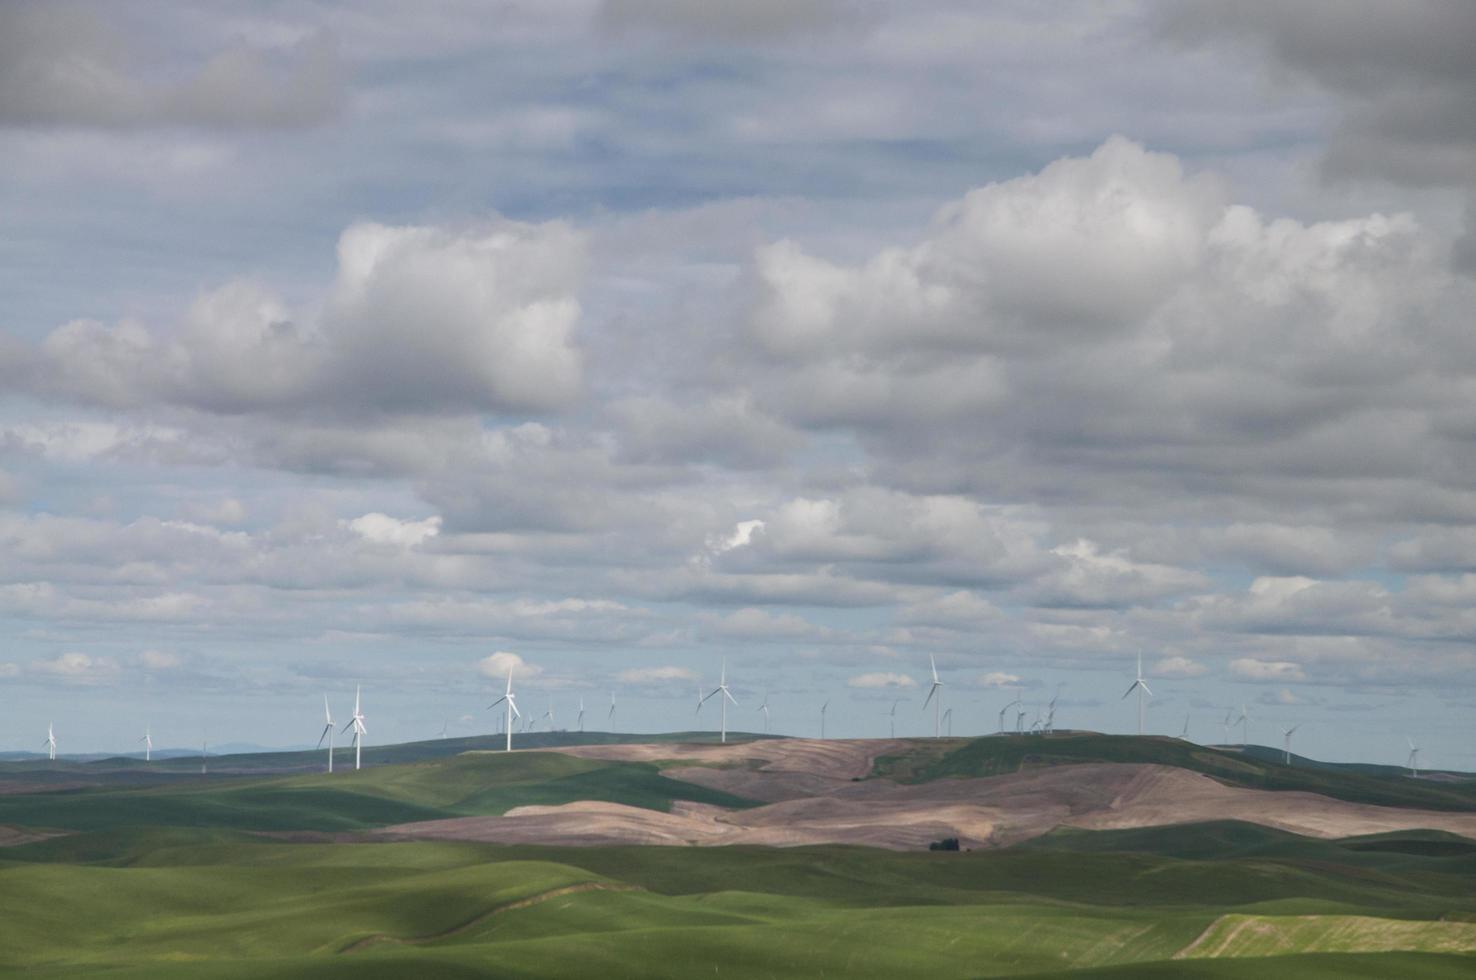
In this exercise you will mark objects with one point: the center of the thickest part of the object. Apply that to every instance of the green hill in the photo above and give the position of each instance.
(928, 759)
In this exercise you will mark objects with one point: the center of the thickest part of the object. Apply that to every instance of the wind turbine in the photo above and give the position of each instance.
(581, 713)
(1286, 744)
(148, 744)
(1141, 687)
(1004, 710)
(610, 719)
(357, 724)
(549, 714)
(1020, 718)
(1244, 722)
(948, 721)
(327, 732)
(1050, 721)
(1227, 723)
(822, 718)
(938, 706)
(1413, 762)
(893, 716)
(512, 708)
(698, 712)
(1184, 734)
(445, 725)
(50, 742)
(765, 709)
(204, 753)
(727, 696)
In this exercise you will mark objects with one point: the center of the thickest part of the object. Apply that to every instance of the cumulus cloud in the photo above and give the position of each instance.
(1178, 666)
(383, 529)
(419, 320)
(656, 676)
(65, 64)
(879, 680)
(1249, 669)
(997, 678)
(77, 668)
(497, 666)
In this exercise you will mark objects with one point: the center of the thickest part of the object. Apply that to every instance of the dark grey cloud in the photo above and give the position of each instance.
(68, 64)
(1405, 71)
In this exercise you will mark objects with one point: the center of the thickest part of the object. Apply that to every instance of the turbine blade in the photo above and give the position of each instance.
(931, 691)
(1131, 688)
(1146, 688)
(729, 696)
(497, 702)
(514, 706)
(934, 664)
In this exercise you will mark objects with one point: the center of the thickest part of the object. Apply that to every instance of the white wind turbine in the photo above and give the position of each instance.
(1227, 723)
(549, 714)
(148, 742)
(1286, 743)
(698, 712)
(822, 718)
(50, 743)
(1184, 733)
(765, 709)
(948, 721)
(938, 706)
(727, 696)
(610, 718)
(327, 732)
(1413, 762)
(357, 724)
(1020, 718)
(581, 713)
(1244, 722)
(1141, 687)
(511, 710)
(204, 754)
(1003, 711)
(445, 725)
(892, 716)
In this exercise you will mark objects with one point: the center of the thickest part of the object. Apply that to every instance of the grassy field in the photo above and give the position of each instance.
(949, 758)
(170, 880)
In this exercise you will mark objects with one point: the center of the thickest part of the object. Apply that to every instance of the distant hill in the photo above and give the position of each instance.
(928, 759)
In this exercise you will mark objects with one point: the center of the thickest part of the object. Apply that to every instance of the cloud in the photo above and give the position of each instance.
(383, 529)
(1405, 75)
(63, 65)
(159, 660)
(997, 678)
(656, 676)
(1249, 669)
(419, 320)
(1177, 666)
(880, 679)
(497, 665)
(756, 20)
(77, 668)
(752, 623)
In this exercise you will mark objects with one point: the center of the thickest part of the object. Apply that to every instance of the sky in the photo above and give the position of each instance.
(400, 345)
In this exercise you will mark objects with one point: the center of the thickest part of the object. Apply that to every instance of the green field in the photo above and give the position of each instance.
(172, 880)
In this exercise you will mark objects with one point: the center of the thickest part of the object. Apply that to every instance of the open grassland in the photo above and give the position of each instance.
(926, 760)
(186, 903)
(175, 879)
(467, 785)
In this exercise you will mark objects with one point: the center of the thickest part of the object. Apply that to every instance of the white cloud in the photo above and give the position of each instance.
(665, 675)
(881, 679)
(497, 665)
(158, 660)
(1250, 669)
(997, 678)
(382, 529)
(1178, 666)
(78, 668)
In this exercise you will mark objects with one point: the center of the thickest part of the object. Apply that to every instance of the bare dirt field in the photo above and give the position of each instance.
(815, 793)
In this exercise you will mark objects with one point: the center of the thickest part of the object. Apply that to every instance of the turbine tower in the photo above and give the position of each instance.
(698, 712)
(1184, 733)
(1286, 743)
(1141, 687)
(938, 705)
(445, 725)
(511, 710)
(1227, 723)
(1005, 710)
(948, 721)
(765, 709)
(581, 713)
(357, 724)
(327, 732)
(610, 718)
(727, 696)
(1413, 762)
(204, 754)
(549, 714)
(893, 716)
(822, 718)
(148, 742)
(1244, 722)
(50, 742)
